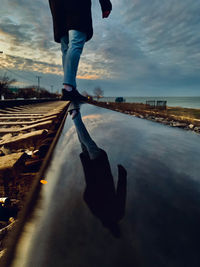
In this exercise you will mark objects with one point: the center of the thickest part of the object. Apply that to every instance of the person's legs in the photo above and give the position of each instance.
(72, 47)
(74, 109)
(86, 141)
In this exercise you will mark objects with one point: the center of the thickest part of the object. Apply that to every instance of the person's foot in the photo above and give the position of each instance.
(72, 95)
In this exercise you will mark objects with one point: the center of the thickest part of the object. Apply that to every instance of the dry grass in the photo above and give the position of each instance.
(187, 115)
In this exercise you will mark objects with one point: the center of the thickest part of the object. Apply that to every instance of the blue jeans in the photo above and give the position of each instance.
(72, 46)
(87, 144)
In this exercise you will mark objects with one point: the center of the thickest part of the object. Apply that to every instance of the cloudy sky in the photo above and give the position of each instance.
(145, 47)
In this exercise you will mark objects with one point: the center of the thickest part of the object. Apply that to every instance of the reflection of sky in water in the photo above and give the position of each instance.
(92, 122)
(138, 143)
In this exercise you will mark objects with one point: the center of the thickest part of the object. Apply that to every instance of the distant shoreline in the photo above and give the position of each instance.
(184, 118)
(172, 101)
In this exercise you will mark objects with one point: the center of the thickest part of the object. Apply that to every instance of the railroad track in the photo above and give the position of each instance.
(28, 133)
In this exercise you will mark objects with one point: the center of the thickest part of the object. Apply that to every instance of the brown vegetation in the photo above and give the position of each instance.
(5, 82)
(186, 116)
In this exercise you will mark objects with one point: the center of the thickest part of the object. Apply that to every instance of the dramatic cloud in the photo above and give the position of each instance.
(144, 47)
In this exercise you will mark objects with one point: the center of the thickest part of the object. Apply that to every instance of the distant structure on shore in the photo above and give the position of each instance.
(120, 100)
(160, 104)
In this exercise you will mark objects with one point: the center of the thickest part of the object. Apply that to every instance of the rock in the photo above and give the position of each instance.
(153, 118)
(29, 152)
(165, 122)
(158, 119)
(191, 126)
(197, 129)
(179, 124)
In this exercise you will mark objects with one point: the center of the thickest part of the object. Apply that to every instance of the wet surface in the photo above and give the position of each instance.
(162, 214)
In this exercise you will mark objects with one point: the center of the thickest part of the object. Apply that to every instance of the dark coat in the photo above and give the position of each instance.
(74, 15)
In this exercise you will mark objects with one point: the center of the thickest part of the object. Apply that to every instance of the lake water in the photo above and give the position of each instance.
(181, 101)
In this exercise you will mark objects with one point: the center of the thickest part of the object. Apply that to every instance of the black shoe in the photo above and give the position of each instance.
(72, 95)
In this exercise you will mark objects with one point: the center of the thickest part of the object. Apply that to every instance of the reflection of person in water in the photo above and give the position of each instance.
(103, 200)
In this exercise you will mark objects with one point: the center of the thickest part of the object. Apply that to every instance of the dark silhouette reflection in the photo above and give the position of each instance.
(103, 200)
